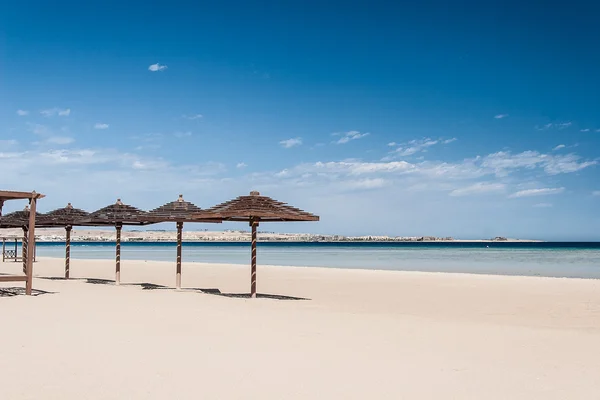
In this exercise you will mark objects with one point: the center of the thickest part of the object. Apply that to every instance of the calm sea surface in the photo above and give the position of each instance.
(581, 260)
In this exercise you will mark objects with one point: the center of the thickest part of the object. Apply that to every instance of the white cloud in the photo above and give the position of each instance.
(500, 116)
(241, 165)
(366, 184)
(536, 192)
(414, 146)
(596, 193)
(542, 205)
(100, 126)
(8, 142)
(51, 112)
(60, 140)
(585, 130)
(22, 113)
(289, 143)
(392, 144)
(157, 67)
(479, 188)
(450, 140)
(193, 117)
(350, 135)
(564, 125)
(503, 162)
(560, 146)
(544, 127)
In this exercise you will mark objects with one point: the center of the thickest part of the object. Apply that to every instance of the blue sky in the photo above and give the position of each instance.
(467, 121)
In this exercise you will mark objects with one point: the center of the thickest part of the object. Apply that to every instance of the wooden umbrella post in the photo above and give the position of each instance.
(119, 226)
(16, 246)
(68, 229)
(24, 250)
(178, 276)
(254, 225)
(31, 244)
(3, 248)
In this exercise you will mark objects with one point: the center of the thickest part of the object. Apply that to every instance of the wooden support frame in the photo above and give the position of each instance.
(68, 229)
(179, 240)
(119, 227)
(254, 225)
(33, 197)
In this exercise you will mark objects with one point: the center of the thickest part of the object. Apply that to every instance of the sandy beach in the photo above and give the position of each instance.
(325, 333)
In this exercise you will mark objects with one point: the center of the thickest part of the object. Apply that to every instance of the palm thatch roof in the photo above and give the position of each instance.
(17, 219)
(255, 206)
(178, 211)
(66, 216)
(118, 213)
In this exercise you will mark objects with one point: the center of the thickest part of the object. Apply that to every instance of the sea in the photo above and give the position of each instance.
(550, 259)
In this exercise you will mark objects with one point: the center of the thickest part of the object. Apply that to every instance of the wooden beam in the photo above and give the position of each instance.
(179, 239)
(31, 246)
(13, 278)
(254, 225)
(118, 226)
(3, 248)
(24, 249)
(68, 251)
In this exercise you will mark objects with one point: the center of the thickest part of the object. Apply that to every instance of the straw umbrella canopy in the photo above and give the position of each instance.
(178, 211)
(65, 217)
(255, 209)
(117, 215)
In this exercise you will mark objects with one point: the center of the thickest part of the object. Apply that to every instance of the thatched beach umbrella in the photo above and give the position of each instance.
(178, 211)
(20, 219)
(117, 215)
(255, 209)
(66, 217)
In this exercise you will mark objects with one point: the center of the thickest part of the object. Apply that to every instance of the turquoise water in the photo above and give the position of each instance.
(577, 260)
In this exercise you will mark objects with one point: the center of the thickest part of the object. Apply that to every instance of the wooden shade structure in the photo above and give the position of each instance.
(255, 209)
(20, 219)
(33, 197)
(66, 217)
(178, 211)
(116, 215)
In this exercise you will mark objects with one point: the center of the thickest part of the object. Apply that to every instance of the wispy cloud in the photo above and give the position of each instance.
(597, 130)
(22, 113)
(596, 193)
(479, 188)
(39, 129)
(51, 112)
(157, 67)
(100, 126)
(449, 140)
(584, 130)
(544, 127)
(289, 143)
(8, 142)
(241, 165)
(560, 146)
(542, 205)
(182, 134)
(502, 162)
(193, 117)
(536, 192)
(350, 135)
(60, 140)
(564, 125)
(500, 116)
(413, 147)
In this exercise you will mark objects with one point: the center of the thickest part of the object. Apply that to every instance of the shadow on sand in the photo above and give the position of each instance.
(19, 291)
(153, 286)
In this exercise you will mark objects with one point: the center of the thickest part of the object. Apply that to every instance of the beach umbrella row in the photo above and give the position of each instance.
(253, 209)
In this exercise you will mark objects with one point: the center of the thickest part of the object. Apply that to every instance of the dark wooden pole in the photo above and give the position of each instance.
(16, 244)
(3, 248)
(118, 266)
(68, 251)
(24, 250)
(254, 225)
(178, 276)
(31, 244)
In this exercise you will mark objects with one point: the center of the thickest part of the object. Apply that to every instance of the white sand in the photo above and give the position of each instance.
(362, 335)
